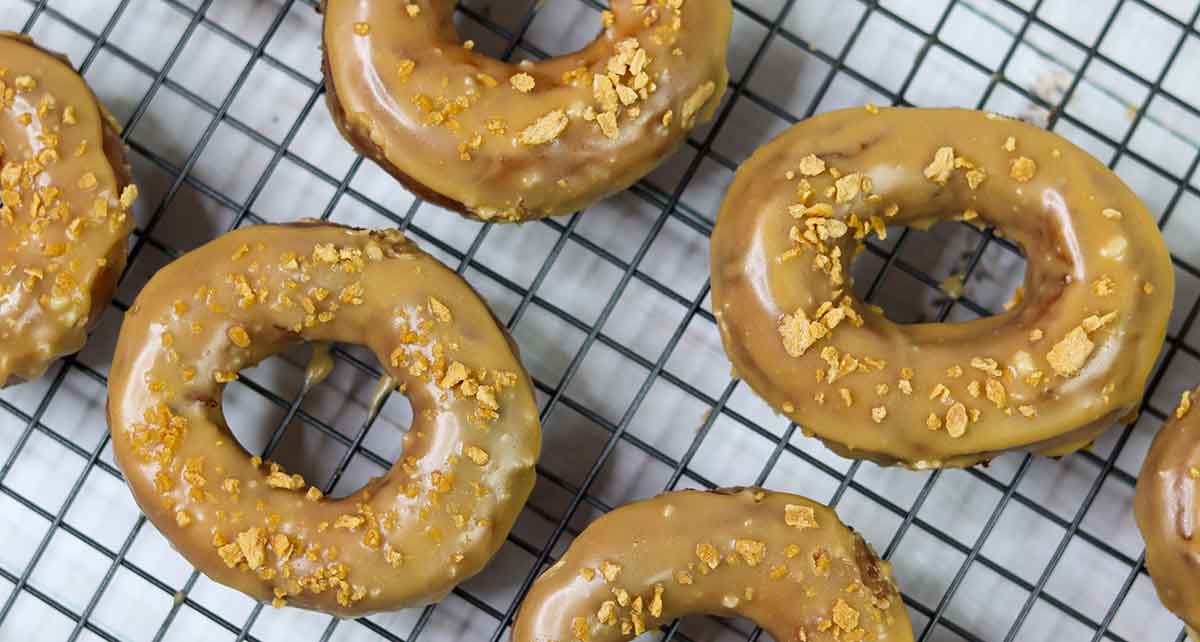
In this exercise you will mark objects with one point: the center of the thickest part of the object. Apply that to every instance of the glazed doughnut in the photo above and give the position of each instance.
(65, 194)
(1068, 359)
(405, 539)
(510, 142)
(1166, 506)
(783, 561)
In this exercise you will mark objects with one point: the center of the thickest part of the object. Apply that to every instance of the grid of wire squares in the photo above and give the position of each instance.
(1026, 548)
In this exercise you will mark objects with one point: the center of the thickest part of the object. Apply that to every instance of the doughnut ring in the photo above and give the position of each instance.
(783, 561)
(510, 142)
(65, 194)
(1166, 504)
(1068, 359)
(404, 539)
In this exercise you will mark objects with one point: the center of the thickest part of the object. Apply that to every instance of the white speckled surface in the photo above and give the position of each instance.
(610, 310)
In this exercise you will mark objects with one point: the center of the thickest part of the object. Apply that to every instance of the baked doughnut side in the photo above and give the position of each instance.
(359, 137)
(1069, 358)
(509, 142)
(404, 539)
(64, 220)
(1166, 505)
(781, 560)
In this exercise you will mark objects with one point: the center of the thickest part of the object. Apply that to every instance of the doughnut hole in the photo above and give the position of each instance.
(930, 274)
(318, 440)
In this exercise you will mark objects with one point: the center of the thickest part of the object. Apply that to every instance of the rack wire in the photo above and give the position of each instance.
(612, 312)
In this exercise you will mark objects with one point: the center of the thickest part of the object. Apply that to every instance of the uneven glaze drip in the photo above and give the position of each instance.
(65, 195)
(783, 561)
(383, 388)
(403, 540)
(509, 142)
(1166, 505)
(1068, 359)
(320, 365)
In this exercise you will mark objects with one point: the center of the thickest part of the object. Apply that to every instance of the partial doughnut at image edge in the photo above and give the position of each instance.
(1067, 360)
(1166, 504)
(65, 199)
(783, 561)
(405, 539)
(504, 142)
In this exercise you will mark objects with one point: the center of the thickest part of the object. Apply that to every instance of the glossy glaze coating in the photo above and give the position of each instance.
(1067, 360)
(1166, 507)
(783, 561)
(65, 193)
(508, 142)
(404, 539)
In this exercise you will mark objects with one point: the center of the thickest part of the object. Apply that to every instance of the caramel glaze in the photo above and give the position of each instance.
(783, 561)
(65, 192)
(1068, 359)
(510, 142)
(1166, 506)
(405, 539)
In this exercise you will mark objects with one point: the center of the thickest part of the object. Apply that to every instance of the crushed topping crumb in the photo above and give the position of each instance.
(709, 555)
(1069, 355)
(845, 617)
(579, 626)
(1104, 286)
(752, 552)
(942, 167)
(799, 334)
(239, 336)
(956, 420)
(545, 129)
(253, 542)
(610, 570)
(848, 187)
(800, 517)
(811, 165)
(440, 311)
(1022, 169)
(280, 479)
(522, 82)
(477, 455)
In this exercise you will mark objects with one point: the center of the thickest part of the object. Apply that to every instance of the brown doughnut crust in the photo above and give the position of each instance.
(1067, 360)
(510, 142)
(1166, 505)
(405, 539)
(783, 561)
(27, 351)
(361, 141)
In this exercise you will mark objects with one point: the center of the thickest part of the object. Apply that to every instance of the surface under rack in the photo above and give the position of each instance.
(224, 112)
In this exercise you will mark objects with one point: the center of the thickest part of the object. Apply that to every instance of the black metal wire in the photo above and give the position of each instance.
(671, 207)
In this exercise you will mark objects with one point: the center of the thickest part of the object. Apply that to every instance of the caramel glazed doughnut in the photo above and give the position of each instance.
(1068, 358)
(405, 539)
(511, 142)
(65, 194)
(1166, 504)
(783, 561)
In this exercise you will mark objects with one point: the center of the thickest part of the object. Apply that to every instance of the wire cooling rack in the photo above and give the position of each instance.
(223, 109)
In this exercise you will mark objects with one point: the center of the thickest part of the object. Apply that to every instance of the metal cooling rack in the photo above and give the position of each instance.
(223, 110)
